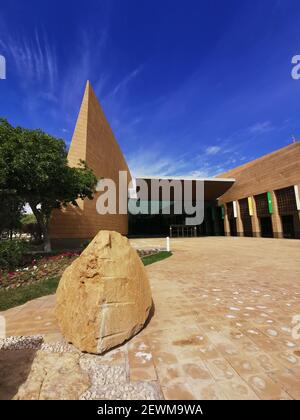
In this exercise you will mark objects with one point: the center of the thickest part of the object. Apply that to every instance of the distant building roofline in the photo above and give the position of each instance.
(259, 159)
(187, 178)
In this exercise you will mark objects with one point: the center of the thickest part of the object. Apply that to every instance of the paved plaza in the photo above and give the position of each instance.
(221, 326)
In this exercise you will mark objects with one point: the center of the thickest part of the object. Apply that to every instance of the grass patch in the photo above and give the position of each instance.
(150, 259)
(16, 297)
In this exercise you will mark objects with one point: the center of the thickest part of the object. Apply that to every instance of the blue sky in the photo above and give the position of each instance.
(190, 87)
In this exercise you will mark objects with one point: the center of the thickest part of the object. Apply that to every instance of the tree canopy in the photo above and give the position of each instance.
(34, 165)
(11, 211)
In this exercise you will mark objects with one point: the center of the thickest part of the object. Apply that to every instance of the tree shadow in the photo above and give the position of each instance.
(15, 367)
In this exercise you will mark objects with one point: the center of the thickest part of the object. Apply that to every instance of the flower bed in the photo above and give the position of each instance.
(40, 268)
(44, 267)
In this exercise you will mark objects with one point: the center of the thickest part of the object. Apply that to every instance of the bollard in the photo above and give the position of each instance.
(2, 327)
(168, 244)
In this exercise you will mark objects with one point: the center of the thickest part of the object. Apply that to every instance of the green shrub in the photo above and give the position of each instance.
(12, 254)
(28, 219)
(85, 244)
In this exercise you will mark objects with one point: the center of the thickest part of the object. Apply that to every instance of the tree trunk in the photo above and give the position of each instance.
(44, 228)
(47, 242)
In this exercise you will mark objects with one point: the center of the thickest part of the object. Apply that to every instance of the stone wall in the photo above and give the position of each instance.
(94, 142)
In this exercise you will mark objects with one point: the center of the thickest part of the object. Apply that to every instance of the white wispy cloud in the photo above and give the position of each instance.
(153, 163)
(212, 150)
(34, 59)
(121, 85)
(49, 89)
(84, 64)
(156, 162)
(261, 127)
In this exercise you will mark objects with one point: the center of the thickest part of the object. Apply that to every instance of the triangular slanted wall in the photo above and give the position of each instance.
(94, 142)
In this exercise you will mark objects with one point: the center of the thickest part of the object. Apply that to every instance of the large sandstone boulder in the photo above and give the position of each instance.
(104, 297)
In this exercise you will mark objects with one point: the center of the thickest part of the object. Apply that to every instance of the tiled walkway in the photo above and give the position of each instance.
(222, 325)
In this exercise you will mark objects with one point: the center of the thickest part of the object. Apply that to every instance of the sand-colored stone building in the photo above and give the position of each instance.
(264, 199)
(94, 142)
(260, 198)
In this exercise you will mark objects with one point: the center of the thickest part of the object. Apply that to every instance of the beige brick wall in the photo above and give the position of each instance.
(271, 172)
(94, 142)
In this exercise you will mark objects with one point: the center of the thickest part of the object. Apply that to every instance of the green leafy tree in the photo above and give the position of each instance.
(35, 165)
(11, 210)
(31, 227)
(27, 219)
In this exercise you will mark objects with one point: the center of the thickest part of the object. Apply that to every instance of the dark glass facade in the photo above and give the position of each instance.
(174, 224)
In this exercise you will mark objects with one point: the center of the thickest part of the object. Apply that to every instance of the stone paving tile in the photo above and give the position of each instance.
(266, 388)
(288, 359)
(222, 324)
(237, 389)
(187, 377)
(207, 391)
(221, 369)
(267, 362)
(289, 382)
(170, 375)
(140, 358)
(178, 392)
(244, 365)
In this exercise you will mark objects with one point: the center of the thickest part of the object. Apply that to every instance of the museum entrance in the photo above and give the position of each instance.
(287, 209)
(231, 219)
(245, 217)
(266, 228)
(288, 228)
(146, 225)
(264, 215)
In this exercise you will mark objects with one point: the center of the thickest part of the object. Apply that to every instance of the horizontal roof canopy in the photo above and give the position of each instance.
(213, 187)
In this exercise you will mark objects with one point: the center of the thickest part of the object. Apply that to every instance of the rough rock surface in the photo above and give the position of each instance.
(40, 368)
(104, 297)
(54, 377)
